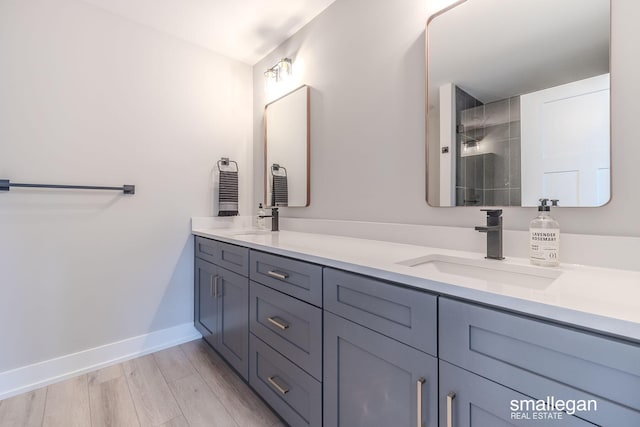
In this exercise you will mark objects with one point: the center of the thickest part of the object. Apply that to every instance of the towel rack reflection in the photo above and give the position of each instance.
(276, 168)
(5, 185)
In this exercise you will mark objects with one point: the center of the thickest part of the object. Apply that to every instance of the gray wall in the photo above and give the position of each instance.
(90, 98)
(365, 62)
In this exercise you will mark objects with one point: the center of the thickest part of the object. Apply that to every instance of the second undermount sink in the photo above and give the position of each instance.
(493, 271)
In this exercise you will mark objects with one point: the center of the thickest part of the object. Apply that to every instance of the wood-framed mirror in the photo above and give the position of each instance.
(518, 103)
(287, 140)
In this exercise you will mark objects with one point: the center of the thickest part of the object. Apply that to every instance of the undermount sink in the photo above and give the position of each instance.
(487, 270)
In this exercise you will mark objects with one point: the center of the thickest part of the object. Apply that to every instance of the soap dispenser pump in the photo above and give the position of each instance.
(544, 237)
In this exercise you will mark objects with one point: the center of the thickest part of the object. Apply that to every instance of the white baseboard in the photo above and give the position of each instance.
(31, 377)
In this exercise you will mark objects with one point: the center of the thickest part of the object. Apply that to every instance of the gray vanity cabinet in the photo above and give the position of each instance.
(326, 347)
(371, 380)
(221, 308)
(469, 400)
(542, 359)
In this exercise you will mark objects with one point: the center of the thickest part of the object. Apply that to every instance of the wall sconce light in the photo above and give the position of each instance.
(282, 70)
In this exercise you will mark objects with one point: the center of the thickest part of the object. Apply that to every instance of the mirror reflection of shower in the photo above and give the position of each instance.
(525, 116)
(488, 147)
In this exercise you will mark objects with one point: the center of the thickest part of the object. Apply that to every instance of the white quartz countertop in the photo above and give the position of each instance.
(599, 299)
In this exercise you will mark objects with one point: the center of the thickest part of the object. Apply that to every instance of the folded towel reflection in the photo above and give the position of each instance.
(280, 194)
(227, 190)
(279, 186)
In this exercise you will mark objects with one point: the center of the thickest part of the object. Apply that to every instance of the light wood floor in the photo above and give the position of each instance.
(187, 385)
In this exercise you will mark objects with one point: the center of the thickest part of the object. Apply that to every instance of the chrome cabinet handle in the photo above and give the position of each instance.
(450, 398)
(277, 386)
(278, 322)
(214, 280)
(211, 286)
(277, 274)
(420, 384)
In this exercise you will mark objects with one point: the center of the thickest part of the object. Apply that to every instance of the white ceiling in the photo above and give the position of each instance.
(245, 30)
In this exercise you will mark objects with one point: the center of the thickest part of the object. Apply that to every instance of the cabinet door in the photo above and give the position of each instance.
(206, 309)
(232, 294)
(372, 380)
(468, 400)
(543, 359)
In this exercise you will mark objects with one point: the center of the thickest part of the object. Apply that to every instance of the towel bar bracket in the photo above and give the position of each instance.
(224, 161)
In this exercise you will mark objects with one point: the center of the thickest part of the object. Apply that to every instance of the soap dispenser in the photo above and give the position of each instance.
(544, 237)
(260, 221)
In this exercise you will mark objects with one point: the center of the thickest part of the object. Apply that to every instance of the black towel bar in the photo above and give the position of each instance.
(5, 185)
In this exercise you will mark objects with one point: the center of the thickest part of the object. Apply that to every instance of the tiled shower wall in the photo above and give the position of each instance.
(488, 171)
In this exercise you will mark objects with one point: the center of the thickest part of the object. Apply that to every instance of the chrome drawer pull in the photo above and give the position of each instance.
(279, 323)
(420, 385)
(450, 398)
(277, 386)
(278, 275)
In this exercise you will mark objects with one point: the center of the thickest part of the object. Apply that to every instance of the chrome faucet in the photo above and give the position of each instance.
(275, 216)
(494, 233)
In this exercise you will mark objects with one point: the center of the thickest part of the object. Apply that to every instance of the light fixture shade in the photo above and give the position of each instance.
(281, 71)
(270, 78)
(285, 68)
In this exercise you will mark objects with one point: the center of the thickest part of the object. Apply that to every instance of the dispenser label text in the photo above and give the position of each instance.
(544, 244)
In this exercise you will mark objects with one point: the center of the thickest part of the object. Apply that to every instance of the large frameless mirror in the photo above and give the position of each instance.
(518, 103)
(286, 141)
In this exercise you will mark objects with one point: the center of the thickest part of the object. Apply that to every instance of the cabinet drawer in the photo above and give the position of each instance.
(296, 278)
(232, 257)
(540, 359)
(403, 314)
(295, 395)
(477, 402)
(291, 326)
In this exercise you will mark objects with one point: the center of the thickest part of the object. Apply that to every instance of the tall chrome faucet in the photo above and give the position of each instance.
(494, 233)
